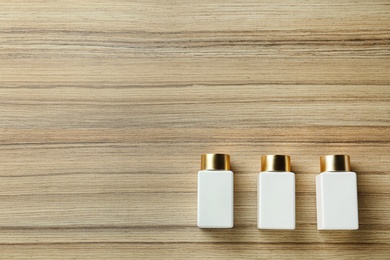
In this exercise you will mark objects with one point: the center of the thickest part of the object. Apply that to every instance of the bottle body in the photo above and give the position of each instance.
(215, 199)
(276, 200)
(337, 204)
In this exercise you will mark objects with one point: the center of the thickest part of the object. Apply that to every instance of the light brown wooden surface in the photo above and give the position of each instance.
(106, 106)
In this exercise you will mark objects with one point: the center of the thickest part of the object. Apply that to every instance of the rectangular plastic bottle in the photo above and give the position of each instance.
(215, 192)
(276, 193)
(336, 190)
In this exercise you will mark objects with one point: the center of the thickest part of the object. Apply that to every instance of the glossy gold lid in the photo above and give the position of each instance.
(215, 161)
(335, 163)
(275, 163)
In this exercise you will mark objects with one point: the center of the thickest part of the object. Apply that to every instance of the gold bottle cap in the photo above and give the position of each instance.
(215, 161)
(335, 163)
(275, 163)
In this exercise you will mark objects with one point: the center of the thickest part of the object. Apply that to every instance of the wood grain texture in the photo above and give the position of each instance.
(106, 106)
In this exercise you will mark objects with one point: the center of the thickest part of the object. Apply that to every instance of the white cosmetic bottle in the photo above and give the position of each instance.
(215, 192)
(336, 190)
(276, 193)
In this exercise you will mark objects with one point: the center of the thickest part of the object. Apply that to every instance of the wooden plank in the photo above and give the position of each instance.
(106, 106)
(194, 250)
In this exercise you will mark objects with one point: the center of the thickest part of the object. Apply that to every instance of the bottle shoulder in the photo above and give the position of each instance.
(276, 173)
(331, 173)
(214, 171)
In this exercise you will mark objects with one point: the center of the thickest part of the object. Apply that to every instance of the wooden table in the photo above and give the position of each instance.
(105, 108)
